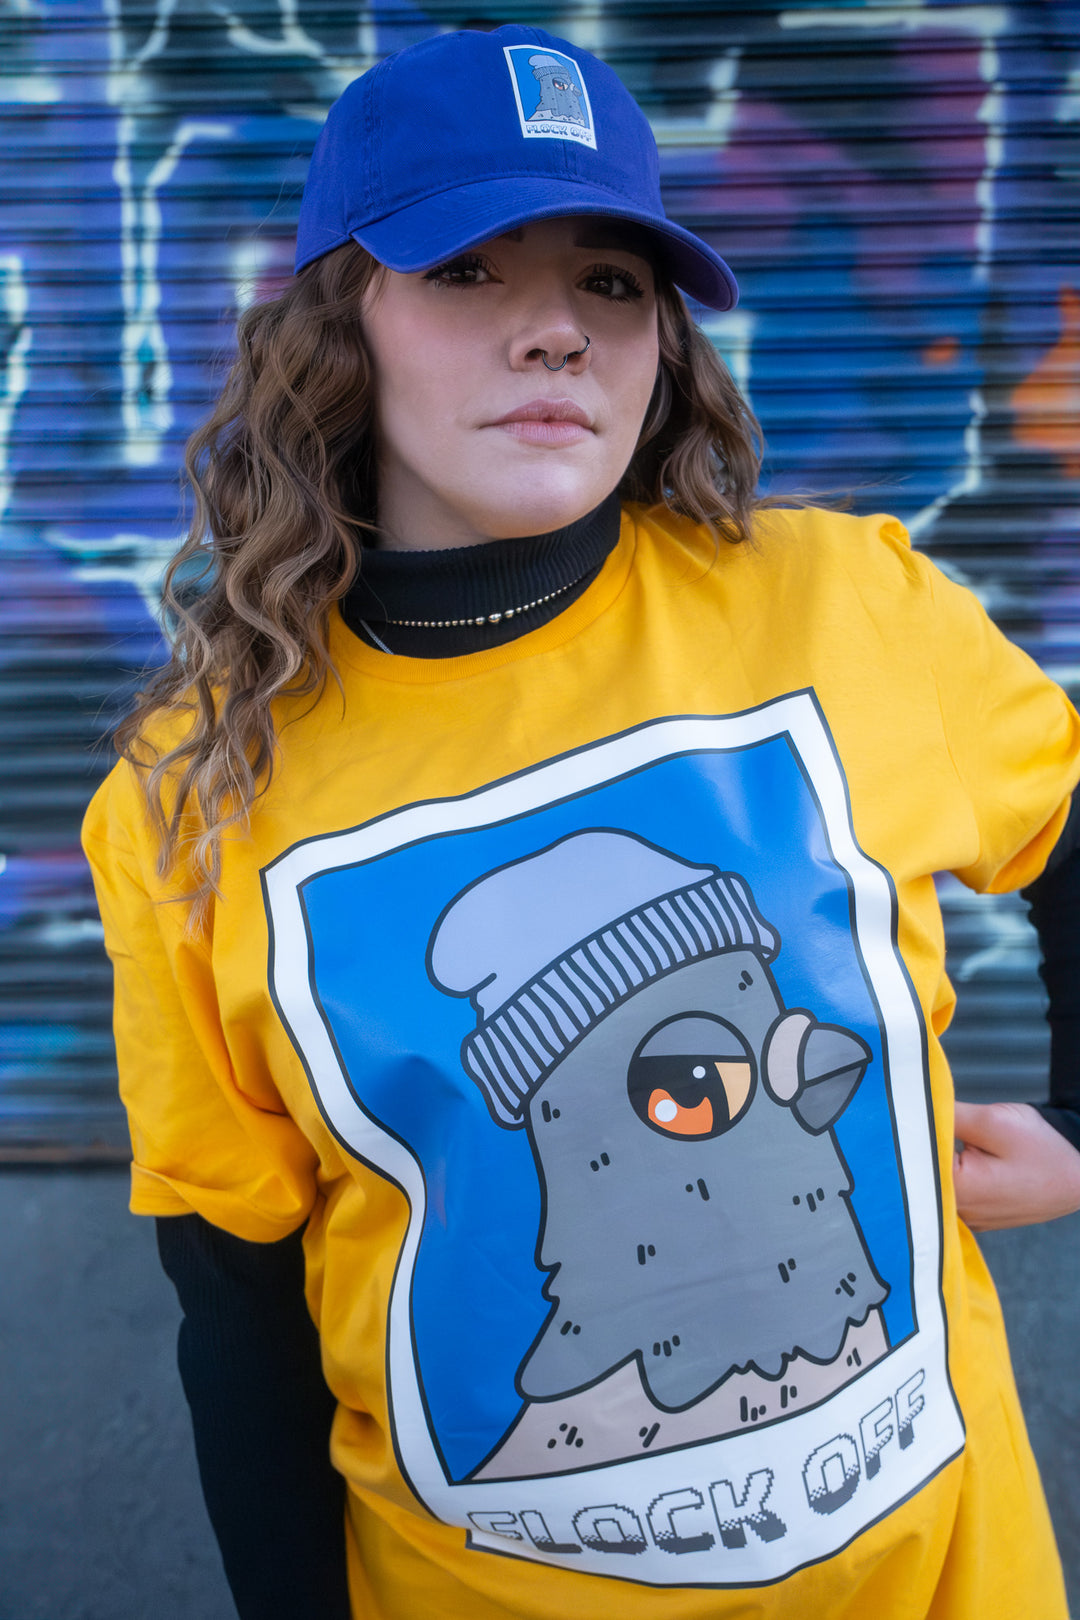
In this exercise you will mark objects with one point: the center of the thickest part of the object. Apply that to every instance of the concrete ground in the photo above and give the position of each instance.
(100, 1512)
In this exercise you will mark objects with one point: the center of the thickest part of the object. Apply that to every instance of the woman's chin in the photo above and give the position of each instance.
(526, 514)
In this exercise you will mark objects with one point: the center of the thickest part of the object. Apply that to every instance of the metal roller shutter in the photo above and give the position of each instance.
(896, 185)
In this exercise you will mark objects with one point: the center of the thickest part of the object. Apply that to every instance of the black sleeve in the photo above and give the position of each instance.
(261, 1412)
(1054, 901)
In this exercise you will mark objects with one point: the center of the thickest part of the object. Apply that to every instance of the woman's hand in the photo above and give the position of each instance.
(1012, 1168)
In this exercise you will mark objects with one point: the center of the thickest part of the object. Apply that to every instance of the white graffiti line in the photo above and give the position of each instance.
(249, 261)
(713, 128)
(367, 39)
(16, 372)
(588, 25)
(292, 39)
(60, 933)
(987, 23)
(970, 478)
(732, 335)
(30, 89)
(1067, 110)
(135, 560)
(982, 20)
(991, 114)
(145, 370)
(125, 85)
(159, 34)
(156, 40)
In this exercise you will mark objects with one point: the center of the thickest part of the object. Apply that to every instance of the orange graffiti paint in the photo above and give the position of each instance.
(942, 352)
(1046, 405)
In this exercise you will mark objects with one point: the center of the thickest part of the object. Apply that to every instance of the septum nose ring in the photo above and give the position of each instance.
(573, 355)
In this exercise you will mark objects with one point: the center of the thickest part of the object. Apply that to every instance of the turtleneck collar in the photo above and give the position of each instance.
(470, 583)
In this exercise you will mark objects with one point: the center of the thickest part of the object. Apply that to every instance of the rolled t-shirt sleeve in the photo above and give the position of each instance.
(1013, 735)
(203, 1140)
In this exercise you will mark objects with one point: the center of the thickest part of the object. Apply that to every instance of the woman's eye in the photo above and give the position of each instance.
(618, 285)
(464, 272)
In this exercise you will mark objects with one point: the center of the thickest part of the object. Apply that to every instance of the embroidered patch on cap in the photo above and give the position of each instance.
(552, 100)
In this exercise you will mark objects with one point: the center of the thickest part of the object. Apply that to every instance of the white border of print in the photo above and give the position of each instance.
(828, 1472)
(553, 130)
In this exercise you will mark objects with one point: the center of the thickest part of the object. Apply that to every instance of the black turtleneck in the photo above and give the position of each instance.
(540, 573)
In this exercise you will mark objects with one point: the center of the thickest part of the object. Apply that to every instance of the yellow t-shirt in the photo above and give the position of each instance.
(584, 997)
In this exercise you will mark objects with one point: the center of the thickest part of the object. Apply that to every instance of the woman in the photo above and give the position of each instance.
(520, 887)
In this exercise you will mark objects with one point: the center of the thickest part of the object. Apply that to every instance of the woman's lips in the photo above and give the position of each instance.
(546, 422)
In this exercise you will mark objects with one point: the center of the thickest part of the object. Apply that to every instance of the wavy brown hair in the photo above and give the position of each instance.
(283, 474)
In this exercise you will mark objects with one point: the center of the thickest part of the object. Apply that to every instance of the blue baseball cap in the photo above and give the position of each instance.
(465, 136)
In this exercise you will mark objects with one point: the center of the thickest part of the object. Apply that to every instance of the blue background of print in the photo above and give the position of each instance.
(477, 1302)
(529, 86)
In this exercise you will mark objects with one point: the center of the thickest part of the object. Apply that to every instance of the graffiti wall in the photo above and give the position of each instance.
(897, 188)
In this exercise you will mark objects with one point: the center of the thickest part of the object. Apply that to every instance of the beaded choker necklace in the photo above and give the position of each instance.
(484, 618)
(440, 604)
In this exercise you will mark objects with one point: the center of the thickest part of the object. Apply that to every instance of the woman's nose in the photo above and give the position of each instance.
(572, 354)
(553, 339)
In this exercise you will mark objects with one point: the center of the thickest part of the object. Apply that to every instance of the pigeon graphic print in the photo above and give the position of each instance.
(631, 1032)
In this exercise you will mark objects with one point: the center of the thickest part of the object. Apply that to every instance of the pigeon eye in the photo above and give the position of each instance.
(691, 1077)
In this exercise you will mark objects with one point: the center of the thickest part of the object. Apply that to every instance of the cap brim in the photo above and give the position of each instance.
(429, 232)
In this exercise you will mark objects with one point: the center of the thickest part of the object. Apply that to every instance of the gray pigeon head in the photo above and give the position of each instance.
(546, 946)
(696, 1206)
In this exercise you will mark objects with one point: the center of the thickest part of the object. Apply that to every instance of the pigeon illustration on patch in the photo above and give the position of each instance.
(550, 93)
(629, 1023)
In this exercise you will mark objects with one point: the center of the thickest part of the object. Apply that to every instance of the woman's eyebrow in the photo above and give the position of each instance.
(597, 233)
